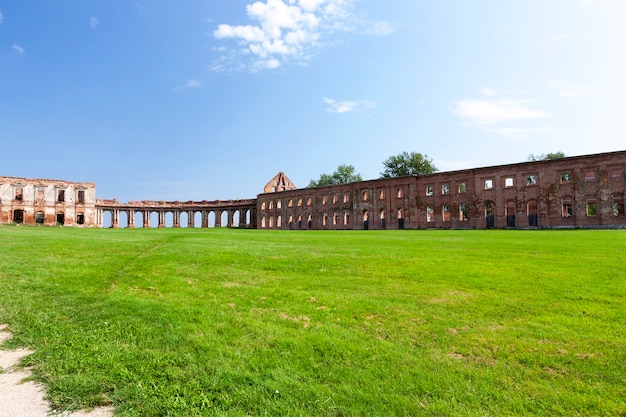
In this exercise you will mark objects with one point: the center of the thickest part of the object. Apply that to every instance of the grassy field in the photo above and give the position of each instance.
(226, 322)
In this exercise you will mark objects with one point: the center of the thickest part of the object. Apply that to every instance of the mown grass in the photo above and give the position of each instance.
(224, 322)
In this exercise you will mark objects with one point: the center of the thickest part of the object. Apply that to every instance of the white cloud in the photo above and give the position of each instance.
(1, 17)
(335, 106)
(93, 22)
(18, 49)
(285, 31)
(488, 112)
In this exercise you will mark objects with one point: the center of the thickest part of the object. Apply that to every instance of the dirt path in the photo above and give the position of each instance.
(27, 399)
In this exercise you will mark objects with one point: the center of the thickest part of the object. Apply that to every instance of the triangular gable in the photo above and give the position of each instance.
(279, 183)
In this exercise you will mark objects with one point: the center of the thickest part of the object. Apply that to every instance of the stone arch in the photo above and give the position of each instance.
(139, 218)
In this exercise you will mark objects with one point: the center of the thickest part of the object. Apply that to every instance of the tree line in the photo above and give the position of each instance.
(401, 165)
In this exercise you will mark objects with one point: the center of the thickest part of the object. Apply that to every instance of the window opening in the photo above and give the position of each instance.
(60, 196)
(462, 188)
(446, 213)
(324, 200)
(533, 216)
(346, 198)
(18, 216)
(489, 216)
(80, 218)
(430, 211)
(279, 204)
(81, 196)
(531, 180)
(40, 193)
(508, 182)
(365, 196)
(270, 205)
(618, 205)
(19, 194)
(308, 201)
(488, 184)
(60, 219)
(567, 208)
(566, 177)
(381, 195)
(383, 220)
(263, 205)
(510, 214)
(445, 189)
(429, 190)
(462, 212)
(299, 202)
(39, 217)
(346, 218)
(335, 199)
(399, 192)
(290, 202)
(592, 208)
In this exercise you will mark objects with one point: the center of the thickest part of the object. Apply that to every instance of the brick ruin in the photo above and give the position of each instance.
(581, 191)
(47, 202)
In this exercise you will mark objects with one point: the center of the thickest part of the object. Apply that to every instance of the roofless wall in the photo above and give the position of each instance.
(581, 191)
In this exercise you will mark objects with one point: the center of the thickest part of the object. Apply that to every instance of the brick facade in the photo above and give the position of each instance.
(47, 202)
(582, 191)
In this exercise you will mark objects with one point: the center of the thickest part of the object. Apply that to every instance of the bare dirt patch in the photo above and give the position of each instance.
(21, 398)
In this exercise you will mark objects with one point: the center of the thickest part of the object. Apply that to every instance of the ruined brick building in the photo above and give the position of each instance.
(49, 202)
(581, 191)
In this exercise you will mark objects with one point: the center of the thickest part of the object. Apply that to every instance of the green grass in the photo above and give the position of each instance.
(225, 322)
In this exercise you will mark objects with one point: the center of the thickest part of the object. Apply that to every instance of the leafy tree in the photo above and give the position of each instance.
(406, 163)
(343, 175)
(546, 156)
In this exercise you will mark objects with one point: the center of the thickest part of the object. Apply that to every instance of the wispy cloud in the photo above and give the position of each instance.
(285, 31)
(94, 22)
(18, 49)
(380, 28)
(1, 17)
(334, 106)
(189, 84)
(488, 112)
(572, 90)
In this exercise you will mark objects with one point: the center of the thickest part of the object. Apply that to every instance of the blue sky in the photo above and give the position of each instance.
(192, 100)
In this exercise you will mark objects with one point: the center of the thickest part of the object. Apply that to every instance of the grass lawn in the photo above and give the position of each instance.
(226, 322)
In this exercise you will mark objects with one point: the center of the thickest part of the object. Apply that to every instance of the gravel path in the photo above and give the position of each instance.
(27, 399)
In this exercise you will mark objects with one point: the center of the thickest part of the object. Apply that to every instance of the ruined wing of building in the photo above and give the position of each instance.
(580, 191)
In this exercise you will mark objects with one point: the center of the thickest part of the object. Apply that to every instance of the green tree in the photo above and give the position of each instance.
(406, 163)
(546, 156)
(343, 175)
